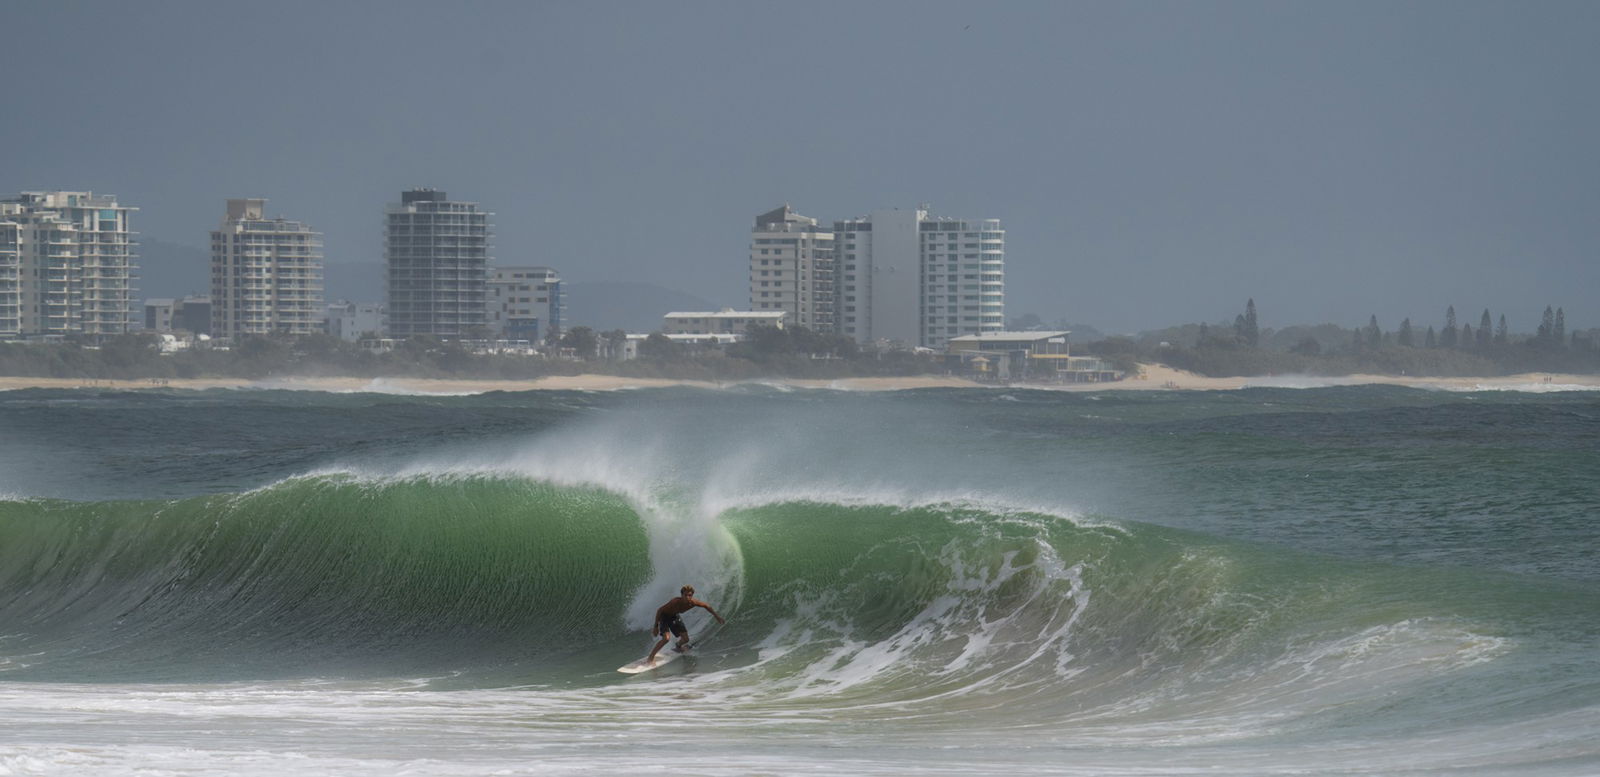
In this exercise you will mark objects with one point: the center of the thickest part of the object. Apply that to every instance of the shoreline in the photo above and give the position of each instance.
(1152, 378)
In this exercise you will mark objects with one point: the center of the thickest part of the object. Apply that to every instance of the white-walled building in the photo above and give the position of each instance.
(724, 321)
(349, 321)
(437, 255)
(525, 303)
(791, 268)
(266, 274)
(909, 278)
(67, 265)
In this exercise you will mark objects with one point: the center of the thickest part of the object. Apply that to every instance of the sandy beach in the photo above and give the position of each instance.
(1152, 378)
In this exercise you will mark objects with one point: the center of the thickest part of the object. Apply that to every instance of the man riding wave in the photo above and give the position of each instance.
(669, 621)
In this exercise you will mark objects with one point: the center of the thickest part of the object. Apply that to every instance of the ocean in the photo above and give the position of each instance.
(1340, 580)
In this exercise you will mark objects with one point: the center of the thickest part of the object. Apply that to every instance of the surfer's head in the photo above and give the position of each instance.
(687, 590)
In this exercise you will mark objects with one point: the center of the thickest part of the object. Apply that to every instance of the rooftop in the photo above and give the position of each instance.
(1009, 337)
(729, 313)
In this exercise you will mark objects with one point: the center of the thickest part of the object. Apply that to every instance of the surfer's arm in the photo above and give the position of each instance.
(655, 623)
(714, 614)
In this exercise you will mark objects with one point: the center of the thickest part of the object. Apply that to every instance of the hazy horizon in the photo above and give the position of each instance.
(1153, 164)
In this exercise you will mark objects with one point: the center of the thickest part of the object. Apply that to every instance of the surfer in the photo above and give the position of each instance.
(669, 621)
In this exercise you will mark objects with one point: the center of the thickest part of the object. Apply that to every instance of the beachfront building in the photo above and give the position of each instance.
(158, 314)
(193, 314)
(525, 303)
(1028, 356)
(724, 321)
(67, 265)
(10, 278)
(188, 314)
(1045, 345)
(350, 321)
(791, 268)
(907, 278)
(437, 255)
(266, 274)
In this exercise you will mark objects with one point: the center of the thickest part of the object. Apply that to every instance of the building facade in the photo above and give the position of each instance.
(525, 303)
(791, 269)
(193, 315)
(67, 265)
(725, 321)
(907, 278)
(437, 255)
(266, 274)
(350, 321)
(158, 314)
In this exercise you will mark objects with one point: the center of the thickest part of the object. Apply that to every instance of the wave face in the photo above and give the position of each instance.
(321, 573)
(925, 614)
(1392, 580)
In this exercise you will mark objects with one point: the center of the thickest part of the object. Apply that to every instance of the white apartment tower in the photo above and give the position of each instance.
(791, 269)
(905, 277)
(266, 274)
(525, 303)
(67, 265)
(437, 257)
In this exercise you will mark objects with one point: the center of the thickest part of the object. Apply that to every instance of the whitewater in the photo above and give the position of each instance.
(1329, 580)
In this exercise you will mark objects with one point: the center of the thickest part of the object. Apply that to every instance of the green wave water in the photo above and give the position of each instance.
(1343, 580)
(315, 574)
(919, 613)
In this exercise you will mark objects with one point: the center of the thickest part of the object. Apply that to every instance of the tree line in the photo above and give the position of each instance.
(1454, 349)
(1242, 348)
(767, 351)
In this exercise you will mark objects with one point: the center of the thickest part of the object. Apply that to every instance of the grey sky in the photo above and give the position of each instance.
(1154, 163)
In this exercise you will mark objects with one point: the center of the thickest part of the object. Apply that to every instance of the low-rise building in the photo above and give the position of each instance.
(525, 303)
(348, 321)
(724, 321)
(700, 344)
(189, 314)
(192, 314)
(1027, 356)
(1033, 343)
(158, 314)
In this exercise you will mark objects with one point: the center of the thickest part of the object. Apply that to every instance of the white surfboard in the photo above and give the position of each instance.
(663, 658)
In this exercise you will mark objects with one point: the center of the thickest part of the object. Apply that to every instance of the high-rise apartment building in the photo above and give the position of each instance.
(437, 257)
(67, 265)
(266, 274)
(525, 303)
(906, 277)
(10, 277)
(791, 268)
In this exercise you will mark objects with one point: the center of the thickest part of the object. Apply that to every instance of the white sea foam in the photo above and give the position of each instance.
(1430, 384)
(1300, 381)
(1530, 388)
